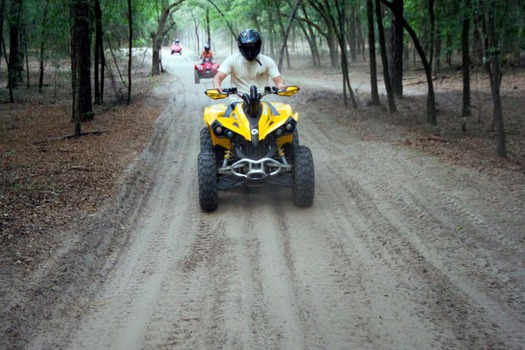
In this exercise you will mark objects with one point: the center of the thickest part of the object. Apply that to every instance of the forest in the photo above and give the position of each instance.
(413, 112)
(92, 41)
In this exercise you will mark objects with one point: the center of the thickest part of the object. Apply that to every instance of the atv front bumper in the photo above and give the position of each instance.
(254, 171)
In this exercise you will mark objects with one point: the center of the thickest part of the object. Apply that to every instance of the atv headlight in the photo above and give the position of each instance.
(279, 132)
(218, 130)
(289, 127)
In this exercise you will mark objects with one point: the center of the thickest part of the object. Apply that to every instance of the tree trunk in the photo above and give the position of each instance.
(130, 46)
(494, 68)
(466, 112)
(353, 34)
(330, 35)
(340, 31)
(309, 33)
(432, 33)
(388, 85)
(396, 53)
(16, 64)
(287, 32)
(372, 53)
(431, 99)
(81, 62)
(208, 28)
(156, 37)
(42, 48)
(98, 50)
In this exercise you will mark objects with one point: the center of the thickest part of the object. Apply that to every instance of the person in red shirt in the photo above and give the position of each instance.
(206, 54)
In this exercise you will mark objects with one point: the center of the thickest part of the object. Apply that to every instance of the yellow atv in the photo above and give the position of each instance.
(253, 142)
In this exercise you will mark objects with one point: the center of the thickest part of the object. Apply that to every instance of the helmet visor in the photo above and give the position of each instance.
(250, 51)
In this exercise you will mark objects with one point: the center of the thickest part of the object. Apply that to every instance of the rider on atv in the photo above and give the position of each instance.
(248, 67)
(206, 55)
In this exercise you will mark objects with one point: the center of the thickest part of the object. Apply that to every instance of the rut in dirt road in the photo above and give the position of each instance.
(398, 251)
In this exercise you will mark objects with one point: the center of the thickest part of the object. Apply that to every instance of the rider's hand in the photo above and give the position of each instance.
(281, 87)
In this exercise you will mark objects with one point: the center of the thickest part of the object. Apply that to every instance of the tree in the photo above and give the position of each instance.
(99, 55)
(324, 10)
(372, 52)
(492, 61)
(388, 83)
(308, 27)
(15, 63)
(337, 22)
(81, 64)
(161, 31)
(130, 48)
(42, 47)
(287, 32)
(431, 99)
(465, 58)
(396, 52)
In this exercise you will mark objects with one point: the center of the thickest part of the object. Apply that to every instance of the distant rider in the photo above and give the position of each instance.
(248, 67)
(206, 54)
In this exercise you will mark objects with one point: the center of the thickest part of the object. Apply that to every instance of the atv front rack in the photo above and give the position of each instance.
(256, 169)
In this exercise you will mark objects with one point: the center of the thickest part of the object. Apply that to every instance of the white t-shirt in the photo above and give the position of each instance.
(244, 73)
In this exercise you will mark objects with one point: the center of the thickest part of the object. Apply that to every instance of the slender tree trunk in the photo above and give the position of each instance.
(156, 37)
(208, 28)
(465, 59)
(372, 52)
(339, 29)
(494, 68)
(431, 99)
(432, 33)
(25, 53)
(42, 48)
(98, 50)
(16, 64)
(81, 65)
(287, 32)
(2, 11)
(130, 53)
(396, 53)
(388, 83)
(309, 33)
(353, 34)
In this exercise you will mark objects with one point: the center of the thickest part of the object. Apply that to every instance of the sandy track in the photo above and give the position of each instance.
(398, 251)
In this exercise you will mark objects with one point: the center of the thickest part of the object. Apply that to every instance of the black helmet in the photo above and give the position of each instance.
(249, 42)
(206, 47)
(177, 40)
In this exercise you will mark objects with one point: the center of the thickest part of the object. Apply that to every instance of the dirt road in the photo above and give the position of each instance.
(399, 251)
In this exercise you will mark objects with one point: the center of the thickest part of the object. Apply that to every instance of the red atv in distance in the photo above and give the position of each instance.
(176, 48)
(205, 70)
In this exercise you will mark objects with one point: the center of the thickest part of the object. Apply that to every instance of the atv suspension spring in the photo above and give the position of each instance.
(280, 152)
(228, 154)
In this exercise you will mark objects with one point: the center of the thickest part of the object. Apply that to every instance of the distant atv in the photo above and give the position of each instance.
(205, 70)
(176, 48)
(253, 142)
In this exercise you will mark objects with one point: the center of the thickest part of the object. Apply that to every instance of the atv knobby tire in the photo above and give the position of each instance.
(303, 184)
(205, 138)
(197, 77)
(208, 190)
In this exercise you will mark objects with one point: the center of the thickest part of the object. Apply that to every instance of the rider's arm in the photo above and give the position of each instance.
(217, 80)
(279, 81)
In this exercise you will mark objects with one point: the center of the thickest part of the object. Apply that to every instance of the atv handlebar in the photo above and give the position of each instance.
(217, 94)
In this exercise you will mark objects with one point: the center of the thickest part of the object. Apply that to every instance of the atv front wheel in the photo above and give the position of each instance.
(197, 78)
(303, 186)
(207, 173)
(205, 138)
